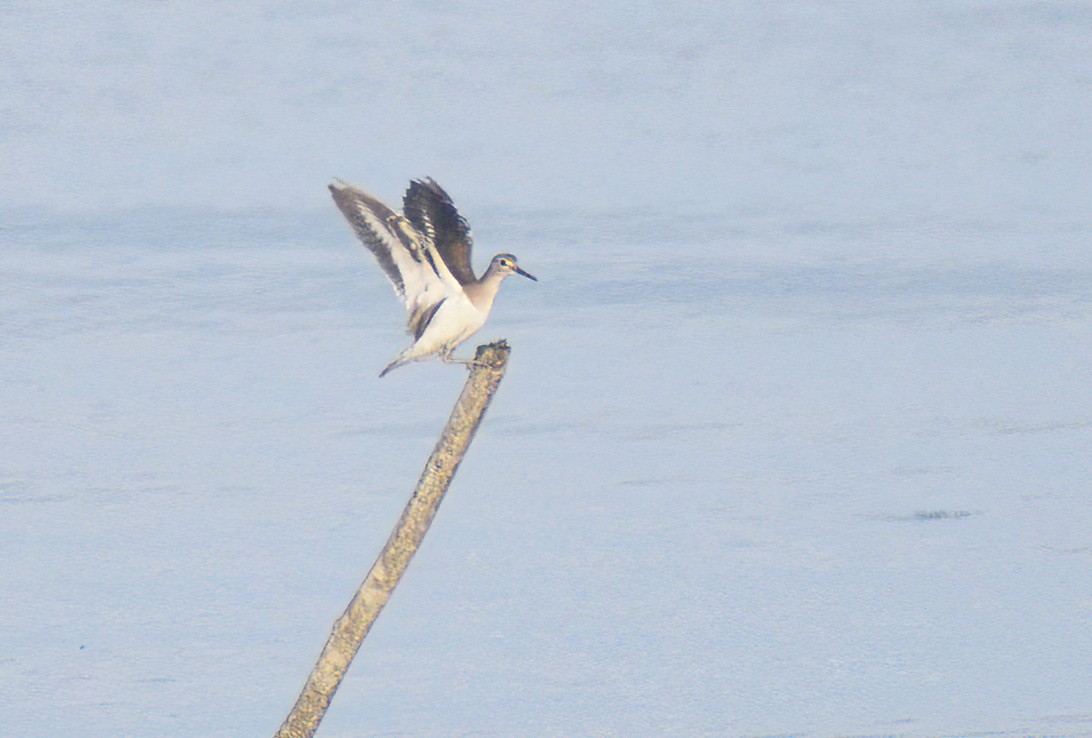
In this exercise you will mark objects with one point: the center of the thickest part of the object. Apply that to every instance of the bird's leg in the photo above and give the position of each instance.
(448, 359)
(445, 356)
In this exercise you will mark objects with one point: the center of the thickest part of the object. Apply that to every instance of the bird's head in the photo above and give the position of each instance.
(505, 264)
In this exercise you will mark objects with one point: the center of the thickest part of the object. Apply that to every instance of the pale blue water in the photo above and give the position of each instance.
(797, 432)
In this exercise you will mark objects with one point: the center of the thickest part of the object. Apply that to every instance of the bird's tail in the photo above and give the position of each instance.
(402, 358)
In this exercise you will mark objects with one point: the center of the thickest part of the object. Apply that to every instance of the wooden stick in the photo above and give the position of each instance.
(350, 629)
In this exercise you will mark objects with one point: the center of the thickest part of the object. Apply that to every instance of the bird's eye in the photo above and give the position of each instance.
(504, 263)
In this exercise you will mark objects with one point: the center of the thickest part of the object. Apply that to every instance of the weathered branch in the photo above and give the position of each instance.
(351, 628)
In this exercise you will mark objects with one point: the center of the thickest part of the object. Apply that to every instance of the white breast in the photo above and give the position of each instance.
(455, 321)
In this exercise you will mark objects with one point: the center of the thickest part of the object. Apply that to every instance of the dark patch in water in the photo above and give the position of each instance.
(938, 515)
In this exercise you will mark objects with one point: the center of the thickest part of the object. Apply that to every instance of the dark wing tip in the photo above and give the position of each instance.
(428, 183)
(340, 187)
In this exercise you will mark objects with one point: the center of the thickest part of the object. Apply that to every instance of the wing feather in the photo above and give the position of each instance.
(405, 253)
(430, 209)
(368, 218)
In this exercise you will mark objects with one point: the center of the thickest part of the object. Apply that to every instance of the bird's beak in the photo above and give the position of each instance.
(522, 273)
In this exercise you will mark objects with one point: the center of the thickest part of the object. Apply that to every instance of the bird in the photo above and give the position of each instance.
(425, 253)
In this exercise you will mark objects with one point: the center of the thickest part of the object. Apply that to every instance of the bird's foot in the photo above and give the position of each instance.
(468, 363)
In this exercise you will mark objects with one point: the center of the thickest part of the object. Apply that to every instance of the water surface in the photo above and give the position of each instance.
(796, 433)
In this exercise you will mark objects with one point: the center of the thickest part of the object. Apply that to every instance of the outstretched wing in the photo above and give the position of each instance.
(432, 212)
(405, 256)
